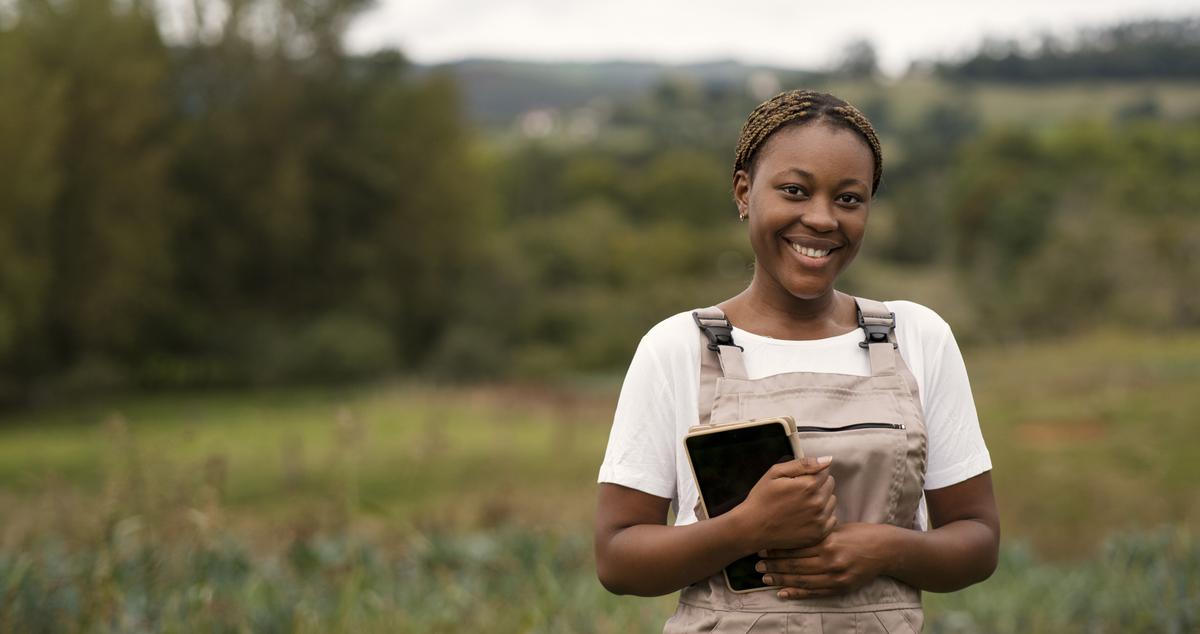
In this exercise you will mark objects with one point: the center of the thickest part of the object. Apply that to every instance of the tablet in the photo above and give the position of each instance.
(727, 461)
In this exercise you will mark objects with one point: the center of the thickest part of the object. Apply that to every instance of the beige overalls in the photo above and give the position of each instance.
(873, 427)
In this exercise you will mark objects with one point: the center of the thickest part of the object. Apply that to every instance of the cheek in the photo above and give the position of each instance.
(859, 226)
(760, 233)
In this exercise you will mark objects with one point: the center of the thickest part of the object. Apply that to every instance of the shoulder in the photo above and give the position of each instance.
(672, 335)
(919, 314)
(671, 347)
(918, 322)
(673, 343)
(923, 335)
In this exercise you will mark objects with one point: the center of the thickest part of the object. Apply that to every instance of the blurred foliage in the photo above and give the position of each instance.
(250, 204)
(411, 508)
(139, 577)
(1133, 50)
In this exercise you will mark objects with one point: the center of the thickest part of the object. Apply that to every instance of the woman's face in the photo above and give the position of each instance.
(807, 206)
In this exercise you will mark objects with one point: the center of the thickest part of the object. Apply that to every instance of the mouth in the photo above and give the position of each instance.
(812, 255)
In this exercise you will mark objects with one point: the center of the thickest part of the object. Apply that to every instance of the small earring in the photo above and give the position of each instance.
(742, 216)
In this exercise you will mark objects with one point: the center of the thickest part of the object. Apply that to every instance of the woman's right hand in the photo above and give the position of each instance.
(791, 506)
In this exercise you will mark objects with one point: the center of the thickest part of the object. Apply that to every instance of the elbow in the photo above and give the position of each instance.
(625, 580)
(992, 560)
(607, 572)
(988, 559)
(605, 575)
(987, 567)
(612, 585)
(611, 579)
(976, 565)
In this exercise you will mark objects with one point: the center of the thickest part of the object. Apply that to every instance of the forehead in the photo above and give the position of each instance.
(819, 148)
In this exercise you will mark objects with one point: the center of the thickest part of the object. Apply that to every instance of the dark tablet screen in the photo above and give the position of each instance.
(728, 464)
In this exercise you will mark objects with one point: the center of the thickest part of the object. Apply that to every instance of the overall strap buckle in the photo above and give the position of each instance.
(876, 328)
(718, 331)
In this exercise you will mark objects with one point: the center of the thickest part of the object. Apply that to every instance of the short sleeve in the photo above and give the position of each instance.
(956, 448)
(641, 446)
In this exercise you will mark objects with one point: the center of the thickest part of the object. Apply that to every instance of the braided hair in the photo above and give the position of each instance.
(801, 106)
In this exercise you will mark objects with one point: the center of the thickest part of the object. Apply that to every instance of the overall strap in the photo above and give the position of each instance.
(879, 326)
(719, 356)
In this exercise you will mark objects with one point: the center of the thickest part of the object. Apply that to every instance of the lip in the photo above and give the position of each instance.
(807, 261)
(812, 243)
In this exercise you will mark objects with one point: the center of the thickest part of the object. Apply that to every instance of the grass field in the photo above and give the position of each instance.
(406, 507)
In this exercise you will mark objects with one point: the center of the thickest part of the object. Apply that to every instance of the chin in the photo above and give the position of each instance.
(809, 293)
(807, 289)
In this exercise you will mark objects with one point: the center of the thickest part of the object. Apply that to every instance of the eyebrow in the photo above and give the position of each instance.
(796, 170)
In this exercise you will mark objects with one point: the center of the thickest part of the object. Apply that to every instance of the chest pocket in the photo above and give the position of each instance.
(863, 430)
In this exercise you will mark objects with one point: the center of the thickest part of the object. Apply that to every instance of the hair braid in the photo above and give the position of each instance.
(800, 106)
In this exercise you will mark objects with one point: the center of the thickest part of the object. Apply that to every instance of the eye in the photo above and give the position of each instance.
(849, 199)
(793, 190)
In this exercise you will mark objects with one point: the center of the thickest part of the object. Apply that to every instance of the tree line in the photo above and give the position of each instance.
(1143, 49)
(250, 204)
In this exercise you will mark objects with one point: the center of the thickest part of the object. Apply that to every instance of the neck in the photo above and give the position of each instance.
(767, 309)
(785, 306)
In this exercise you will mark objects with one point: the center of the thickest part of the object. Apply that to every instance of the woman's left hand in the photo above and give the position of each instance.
(849, 557)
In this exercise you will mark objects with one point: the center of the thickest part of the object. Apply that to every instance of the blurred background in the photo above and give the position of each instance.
(313, 313)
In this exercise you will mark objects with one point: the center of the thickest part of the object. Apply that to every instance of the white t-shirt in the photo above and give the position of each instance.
(659, 399)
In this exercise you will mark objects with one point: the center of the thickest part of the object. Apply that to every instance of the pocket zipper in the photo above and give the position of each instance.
(853, 427)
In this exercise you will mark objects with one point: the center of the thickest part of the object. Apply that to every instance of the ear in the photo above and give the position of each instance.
(741, 192)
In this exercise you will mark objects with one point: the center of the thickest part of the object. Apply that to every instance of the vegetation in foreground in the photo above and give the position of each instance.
(133, 579)
(410, 508)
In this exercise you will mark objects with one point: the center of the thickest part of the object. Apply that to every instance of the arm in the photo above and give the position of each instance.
(963, 547)
(637, 553)
(960, 550)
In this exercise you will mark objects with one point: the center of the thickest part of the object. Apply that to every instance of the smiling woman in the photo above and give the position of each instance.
(810, 193)
(895, 493)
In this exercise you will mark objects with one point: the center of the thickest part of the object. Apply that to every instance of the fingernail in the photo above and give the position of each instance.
(760, 566)
(769, 580)
(781, 594)
(825, 460)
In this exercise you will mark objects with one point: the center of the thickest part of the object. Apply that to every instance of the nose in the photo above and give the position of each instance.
(820, 217)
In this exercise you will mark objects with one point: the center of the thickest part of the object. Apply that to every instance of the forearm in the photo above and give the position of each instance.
(654, 559)
(948, 558)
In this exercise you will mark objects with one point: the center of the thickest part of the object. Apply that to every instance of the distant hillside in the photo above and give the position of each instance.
(496, 91)
(1146, 49)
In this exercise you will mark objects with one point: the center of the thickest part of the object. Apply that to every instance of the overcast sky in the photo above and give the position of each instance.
(780, 33)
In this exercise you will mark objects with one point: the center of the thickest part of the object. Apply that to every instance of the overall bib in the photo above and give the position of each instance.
(873, 427)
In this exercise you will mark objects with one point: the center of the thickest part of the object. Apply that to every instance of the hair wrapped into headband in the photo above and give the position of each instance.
(797, 106)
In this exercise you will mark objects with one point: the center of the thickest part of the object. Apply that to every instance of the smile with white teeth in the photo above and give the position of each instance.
(812, 253)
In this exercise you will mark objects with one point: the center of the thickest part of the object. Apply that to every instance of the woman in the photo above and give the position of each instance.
(842, 533)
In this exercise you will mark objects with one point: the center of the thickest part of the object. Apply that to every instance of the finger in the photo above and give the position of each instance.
(827, 486)
(811, 582)
(789, 553)
(800, 593)
(801, 466)
(794, 566)
(830, 525)
(830, 506)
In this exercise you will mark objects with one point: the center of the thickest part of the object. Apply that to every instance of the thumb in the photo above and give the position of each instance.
(804, 466)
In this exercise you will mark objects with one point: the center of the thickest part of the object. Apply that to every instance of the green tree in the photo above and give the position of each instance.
(31, 127)
(102, 151)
